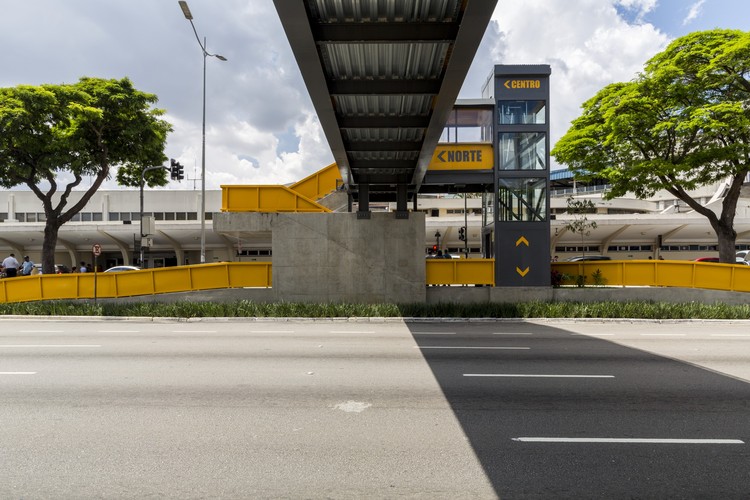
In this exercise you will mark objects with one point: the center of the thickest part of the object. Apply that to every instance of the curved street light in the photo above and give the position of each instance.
(206, 54)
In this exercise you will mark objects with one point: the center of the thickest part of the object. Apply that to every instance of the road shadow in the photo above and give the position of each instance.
(626, 393)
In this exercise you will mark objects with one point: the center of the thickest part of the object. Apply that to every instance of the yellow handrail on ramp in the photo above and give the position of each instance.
(259, 198)
(319, 184)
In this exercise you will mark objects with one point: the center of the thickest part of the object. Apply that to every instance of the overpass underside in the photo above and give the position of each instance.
(383, 77)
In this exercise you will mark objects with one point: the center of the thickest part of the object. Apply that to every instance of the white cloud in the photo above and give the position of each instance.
(587, 43)
(260, 123)
(694, 12)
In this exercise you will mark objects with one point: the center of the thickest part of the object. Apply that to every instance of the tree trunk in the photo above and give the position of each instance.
(727, 237)
(51, 228)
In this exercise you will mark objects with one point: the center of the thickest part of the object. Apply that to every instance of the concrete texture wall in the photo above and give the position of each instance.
(336, 257)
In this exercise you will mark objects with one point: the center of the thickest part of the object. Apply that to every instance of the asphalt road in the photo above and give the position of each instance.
(251, 409)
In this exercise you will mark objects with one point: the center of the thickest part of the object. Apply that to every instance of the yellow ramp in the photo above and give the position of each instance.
(319, 184)
(249, 198)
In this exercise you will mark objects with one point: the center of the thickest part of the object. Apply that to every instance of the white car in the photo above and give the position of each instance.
(117, 269)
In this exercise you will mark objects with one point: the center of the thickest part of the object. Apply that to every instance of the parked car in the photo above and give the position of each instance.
(743, 254)
(117, 269)
(738, 260)
(580, 258)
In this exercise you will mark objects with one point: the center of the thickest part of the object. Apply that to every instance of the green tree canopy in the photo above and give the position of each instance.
(71, 131)
(682, 124)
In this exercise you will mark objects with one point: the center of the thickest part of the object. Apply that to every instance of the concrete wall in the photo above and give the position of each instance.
(468, 295)
(335, 257)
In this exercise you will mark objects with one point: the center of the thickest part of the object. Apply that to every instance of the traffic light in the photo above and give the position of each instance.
(176, 170)
(434, 248)
(462, 233)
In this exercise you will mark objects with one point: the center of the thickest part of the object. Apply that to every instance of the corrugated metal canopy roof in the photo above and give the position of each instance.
(383, 76)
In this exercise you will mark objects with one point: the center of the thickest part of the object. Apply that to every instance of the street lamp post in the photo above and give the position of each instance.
(206, 54)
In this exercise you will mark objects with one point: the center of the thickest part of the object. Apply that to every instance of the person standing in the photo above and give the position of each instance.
(27, 266)
(11, 266)
(83, 268)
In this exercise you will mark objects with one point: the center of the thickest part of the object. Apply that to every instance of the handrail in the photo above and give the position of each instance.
(667, 273)
(131, 283)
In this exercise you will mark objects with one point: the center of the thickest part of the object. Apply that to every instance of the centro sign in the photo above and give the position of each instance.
(522, 84)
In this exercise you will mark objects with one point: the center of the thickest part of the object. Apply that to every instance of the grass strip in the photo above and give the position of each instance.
(247, 309)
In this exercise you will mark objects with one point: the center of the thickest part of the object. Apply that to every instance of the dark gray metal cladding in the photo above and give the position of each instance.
(383, 76)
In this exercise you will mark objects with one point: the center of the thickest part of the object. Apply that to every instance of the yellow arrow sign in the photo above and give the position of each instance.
(522, 240)
(522, 273)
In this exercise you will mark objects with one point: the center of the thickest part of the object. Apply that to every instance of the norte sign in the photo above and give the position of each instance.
(462, 157)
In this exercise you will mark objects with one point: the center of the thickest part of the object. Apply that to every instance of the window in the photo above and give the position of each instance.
(114, 216)
(521, 112)
(31, 217)
(193, 216)
(97, 216)
(523, 151)
(181, 216)
(168, 215)
(86, 216)
(522, 200)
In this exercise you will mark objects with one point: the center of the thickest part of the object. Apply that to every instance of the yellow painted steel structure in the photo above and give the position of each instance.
(460, 272)
(132, 283)
(247, 198)
(319, 184)
(668, 273)
(663, 273)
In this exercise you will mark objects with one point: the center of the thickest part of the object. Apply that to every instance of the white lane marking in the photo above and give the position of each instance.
(41, 331)
(351, 331)
(593, 334)
(534, 375)
(627, 440)
(118, 331)
(271, 331)
(17, 373)
(512, 333)
(663, 334)
(49, 345)
(433, 333)
(468, 347)
(746, 335)
(353, 406)
(193, 331)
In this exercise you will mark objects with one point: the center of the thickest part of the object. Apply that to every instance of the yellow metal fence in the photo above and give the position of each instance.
(460, 271)
(130, 283)
(675, 273)
(437, 272)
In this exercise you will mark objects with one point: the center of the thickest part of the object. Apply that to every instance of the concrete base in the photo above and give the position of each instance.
(338, 257)
(468, 295)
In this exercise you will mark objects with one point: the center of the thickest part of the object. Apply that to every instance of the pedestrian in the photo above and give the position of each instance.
(83, 268)
(27, 266)
(11, 266)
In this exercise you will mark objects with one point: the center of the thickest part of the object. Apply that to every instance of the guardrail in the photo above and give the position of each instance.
(665, 273)
(460, 272)
(668, 273)
(143, 282)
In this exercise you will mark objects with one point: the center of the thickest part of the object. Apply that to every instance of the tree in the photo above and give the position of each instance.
(682, 124)
(580, 223)
(52, 132)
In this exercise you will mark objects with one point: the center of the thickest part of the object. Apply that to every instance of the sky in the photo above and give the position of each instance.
(261, 127)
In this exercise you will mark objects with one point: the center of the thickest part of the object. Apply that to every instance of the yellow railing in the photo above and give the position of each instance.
(675, 273)
(243, 198)
(667, 273)
(319, 184)
(130, 283)
(460, 271)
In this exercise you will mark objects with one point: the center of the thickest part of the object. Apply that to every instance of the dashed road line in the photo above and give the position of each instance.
(626, 440)
(533, 375)
(472, 347)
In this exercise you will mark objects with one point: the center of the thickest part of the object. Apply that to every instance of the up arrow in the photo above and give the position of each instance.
(522, 240)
